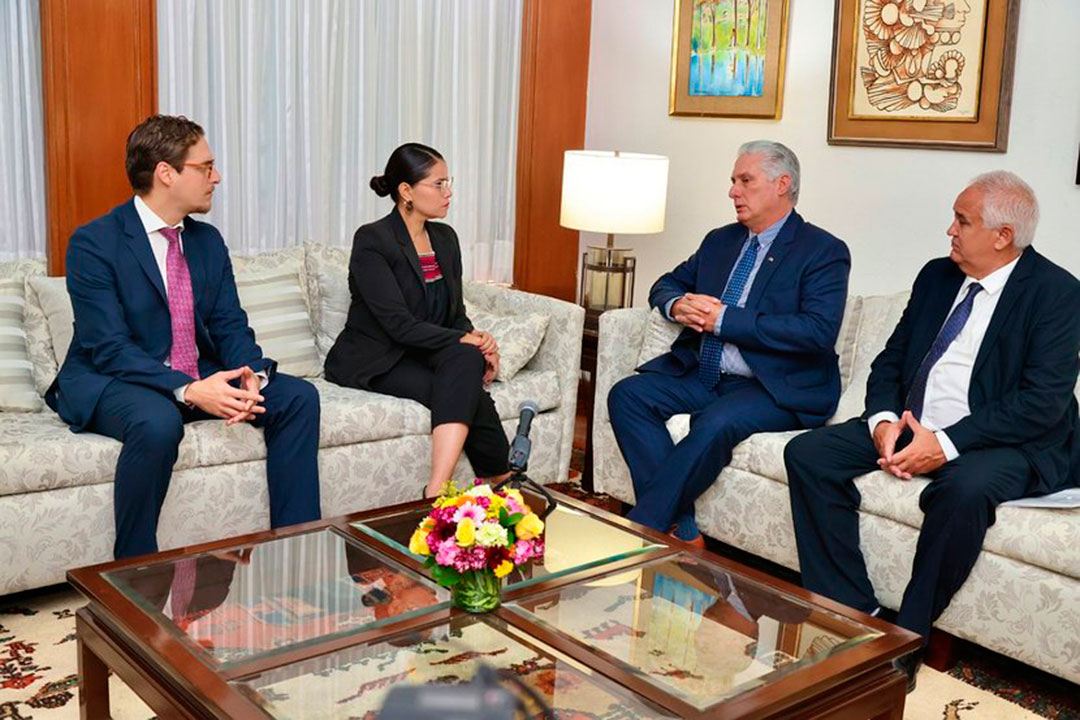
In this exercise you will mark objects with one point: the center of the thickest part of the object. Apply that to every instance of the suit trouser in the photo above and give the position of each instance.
(449, 382)
(669, 477)
(150, 424)
(958, 506)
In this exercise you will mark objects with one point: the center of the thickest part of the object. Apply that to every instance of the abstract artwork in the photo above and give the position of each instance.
(728, 57)
(933, 73)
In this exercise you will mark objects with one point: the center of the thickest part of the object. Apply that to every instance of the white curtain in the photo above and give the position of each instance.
(22, 133)
(303, 101)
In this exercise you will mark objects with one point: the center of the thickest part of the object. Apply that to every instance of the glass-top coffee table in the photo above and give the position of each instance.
(321, 620)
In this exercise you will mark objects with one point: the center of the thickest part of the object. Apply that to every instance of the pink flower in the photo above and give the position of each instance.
(513, 507)
(470, 510)
(448, 553)
(484, 502)
(474, 558)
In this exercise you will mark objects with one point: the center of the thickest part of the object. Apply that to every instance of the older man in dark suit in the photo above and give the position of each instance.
(761, 301)
(161, 340)
(974, 389)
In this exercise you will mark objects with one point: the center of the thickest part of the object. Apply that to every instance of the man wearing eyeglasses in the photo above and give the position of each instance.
(761, 301)
(161, 340)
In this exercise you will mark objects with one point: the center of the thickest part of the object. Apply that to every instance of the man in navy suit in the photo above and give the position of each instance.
(761, 301)
(974, 390)
(161, 340)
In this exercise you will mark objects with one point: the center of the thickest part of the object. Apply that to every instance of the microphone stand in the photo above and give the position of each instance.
(518, 478)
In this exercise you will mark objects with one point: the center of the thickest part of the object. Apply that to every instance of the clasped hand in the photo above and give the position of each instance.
(697, 312)
(216, 396)
(487, 345)
(922, 455)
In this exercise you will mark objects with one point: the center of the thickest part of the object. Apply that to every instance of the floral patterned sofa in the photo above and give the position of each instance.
(56, 486)
(1023, 596)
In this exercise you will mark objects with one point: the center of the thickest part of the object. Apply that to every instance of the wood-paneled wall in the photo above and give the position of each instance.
(551, 120)
(100, 80)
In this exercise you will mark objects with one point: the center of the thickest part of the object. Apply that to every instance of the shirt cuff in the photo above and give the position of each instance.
(264, 379)
(178, 393)
(719, 321)
(947, 446)
(667, 307)
(876, 418)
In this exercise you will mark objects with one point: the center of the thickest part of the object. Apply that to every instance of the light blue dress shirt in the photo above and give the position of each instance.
(732, 362)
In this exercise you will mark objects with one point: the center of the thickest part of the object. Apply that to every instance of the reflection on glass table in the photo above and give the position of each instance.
(573, 540)
(354, 682)
(692, 628)
(250, 601)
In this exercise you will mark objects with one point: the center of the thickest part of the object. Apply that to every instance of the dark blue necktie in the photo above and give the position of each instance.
(712, 348)
(949, 331)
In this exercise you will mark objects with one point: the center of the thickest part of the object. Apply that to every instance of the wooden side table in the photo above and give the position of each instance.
(587, 392)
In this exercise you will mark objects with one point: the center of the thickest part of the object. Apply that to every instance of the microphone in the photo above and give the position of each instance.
(521, 447)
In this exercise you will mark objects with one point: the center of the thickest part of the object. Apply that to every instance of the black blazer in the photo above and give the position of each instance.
(388, 314)
(1022, 385)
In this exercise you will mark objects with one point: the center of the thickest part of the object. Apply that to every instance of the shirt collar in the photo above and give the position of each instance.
(995, 281)
(766, 236)
(150, 220)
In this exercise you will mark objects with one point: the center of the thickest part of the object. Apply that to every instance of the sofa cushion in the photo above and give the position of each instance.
(278, 315)
(39, 452)
(877, 319)
(1038, 536)
(328, 292)
(353, 416)
(48, 296)
(518, 335)
(659, 334)
(18, 392)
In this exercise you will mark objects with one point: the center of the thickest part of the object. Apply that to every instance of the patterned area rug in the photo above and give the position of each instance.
(38, 672)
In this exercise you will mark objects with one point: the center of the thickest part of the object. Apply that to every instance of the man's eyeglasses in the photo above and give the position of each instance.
(444, 186)
(206, 168)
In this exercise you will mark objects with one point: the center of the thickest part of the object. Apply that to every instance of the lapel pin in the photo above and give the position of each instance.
(770, 258)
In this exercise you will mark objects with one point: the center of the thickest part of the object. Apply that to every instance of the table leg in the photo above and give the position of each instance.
(93, 685)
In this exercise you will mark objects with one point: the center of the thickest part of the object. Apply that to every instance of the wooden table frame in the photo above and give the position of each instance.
(114, 634)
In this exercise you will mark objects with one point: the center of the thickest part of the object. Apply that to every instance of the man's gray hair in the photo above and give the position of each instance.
(776, 160)
(1008, 200)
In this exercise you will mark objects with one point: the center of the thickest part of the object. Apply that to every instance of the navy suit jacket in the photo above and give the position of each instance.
(787, 330)
(123, 330)
(1022, 384)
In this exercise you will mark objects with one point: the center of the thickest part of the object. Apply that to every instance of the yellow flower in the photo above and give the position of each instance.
(496, 503)
(466, 532)
(504, 568)
(529, 527)
(515, 495)
(418, 542)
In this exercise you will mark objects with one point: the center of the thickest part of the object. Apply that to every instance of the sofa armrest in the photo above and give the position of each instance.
(618, 346)
(560, 350)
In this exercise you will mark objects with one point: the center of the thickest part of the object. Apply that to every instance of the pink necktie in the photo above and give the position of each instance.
(183, 356)
(183, 588)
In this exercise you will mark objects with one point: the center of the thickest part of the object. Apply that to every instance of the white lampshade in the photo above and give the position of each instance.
(617, 193)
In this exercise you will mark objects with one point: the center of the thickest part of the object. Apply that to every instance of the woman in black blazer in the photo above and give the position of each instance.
(407, 334)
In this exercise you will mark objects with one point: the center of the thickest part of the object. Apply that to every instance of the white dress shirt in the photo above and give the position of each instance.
(946, 399)
(159, 245)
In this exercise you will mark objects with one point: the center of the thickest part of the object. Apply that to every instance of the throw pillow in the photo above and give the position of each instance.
(659, 334)
(277, 313)
(50, 295)
(519, 337)
(17, 390)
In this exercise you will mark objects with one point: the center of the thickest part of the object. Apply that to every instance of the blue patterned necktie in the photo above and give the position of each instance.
(949, 331)
(712, 347)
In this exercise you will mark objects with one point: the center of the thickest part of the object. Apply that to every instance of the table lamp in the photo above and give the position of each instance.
(611, 192)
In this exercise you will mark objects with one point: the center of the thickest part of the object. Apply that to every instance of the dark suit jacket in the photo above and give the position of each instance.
(1021, 392)
(123, 329)
(788, 329)
(388, 314)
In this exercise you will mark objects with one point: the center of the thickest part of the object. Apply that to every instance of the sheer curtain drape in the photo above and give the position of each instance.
(303, 101)
(22, 134)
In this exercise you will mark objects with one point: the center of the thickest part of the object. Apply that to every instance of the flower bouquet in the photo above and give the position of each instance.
(474, 538)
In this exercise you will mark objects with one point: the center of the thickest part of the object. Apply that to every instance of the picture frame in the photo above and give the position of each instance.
(728, 58)
(933, 74)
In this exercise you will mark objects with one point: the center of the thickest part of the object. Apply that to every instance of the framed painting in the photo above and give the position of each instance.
(924, 73)
(727, 58)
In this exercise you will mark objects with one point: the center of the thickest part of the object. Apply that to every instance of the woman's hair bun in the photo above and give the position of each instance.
(378, 184)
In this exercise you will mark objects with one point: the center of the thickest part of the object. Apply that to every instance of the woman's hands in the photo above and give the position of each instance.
(487, 345)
